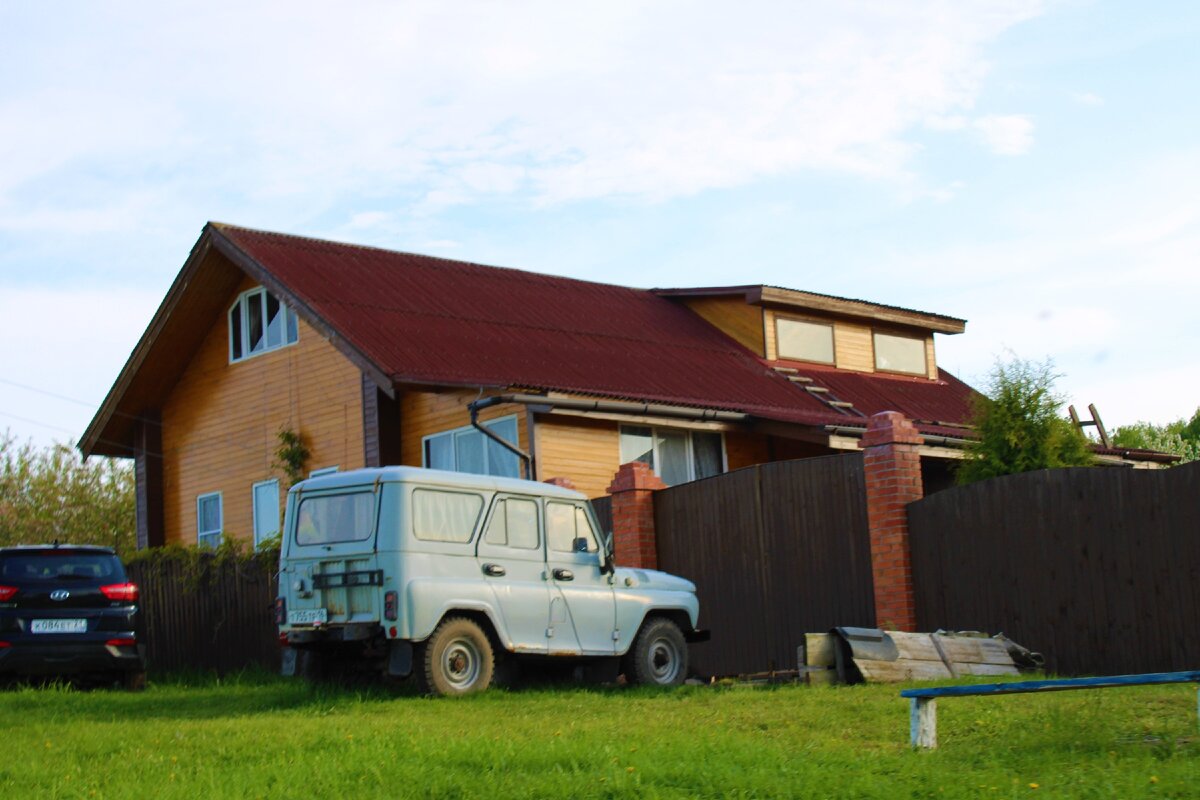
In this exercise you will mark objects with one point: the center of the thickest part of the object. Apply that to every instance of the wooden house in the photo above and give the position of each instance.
(372, 357)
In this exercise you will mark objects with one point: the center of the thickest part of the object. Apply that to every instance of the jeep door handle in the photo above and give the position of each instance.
(564, 575)
(495, 570)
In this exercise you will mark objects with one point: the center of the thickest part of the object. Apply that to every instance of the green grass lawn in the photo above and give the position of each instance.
(259, 736)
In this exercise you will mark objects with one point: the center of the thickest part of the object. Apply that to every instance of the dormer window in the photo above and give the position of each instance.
(801, 340)
(900, 354)
(258, 322)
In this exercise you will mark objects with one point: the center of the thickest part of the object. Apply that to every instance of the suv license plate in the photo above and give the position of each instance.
(315, 616)
(58, 626)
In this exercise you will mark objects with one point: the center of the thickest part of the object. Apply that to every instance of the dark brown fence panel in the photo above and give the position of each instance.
(776, 551)
(219, 617)
(1097, 568)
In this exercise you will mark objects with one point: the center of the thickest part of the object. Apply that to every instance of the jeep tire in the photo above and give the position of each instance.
(659, 655)
(457, 659)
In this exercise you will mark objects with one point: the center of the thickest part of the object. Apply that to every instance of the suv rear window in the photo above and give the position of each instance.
(61, 565)
(333, 518)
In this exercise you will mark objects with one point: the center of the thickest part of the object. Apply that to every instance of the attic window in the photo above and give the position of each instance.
(804, 341)
(900, 354)
(258, 323)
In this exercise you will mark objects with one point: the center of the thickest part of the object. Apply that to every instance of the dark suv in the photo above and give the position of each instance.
(69, 611)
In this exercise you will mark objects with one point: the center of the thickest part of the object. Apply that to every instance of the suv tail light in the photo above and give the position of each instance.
(280, 611)
(391, 606)
(121, 591)
(7, 593)
(122, 642)
(4, 645)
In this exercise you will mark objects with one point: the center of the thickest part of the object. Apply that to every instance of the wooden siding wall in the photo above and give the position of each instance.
(775, 551)
(221, 420)
(1099, 569)
(734, 317)
(424, 413)
(587, 451)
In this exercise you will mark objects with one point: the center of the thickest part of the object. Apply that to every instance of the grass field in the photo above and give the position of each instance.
(259, 736)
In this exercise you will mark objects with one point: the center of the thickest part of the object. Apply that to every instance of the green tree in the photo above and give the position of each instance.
(1181, 437)
(51, 493)
(1020, 425)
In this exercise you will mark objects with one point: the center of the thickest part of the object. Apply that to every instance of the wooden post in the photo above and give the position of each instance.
(922, 722)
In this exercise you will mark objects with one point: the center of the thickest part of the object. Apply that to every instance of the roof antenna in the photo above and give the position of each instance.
(1095, 422)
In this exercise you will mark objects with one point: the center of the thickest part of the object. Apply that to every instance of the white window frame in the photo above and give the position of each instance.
(258, 540)
(453, 432)
(202, 537)
(242, 300)
(316, 473)
(691, 453)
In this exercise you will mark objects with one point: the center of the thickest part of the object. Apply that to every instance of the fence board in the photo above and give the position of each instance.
(1097, 568)
(219, 620)
(775, 550)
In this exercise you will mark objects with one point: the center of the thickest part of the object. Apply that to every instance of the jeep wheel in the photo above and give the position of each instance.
(659, 655)
(457, 659)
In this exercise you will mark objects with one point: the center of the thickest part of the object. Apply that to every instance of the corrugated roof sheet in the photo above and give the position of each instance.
(431, 320)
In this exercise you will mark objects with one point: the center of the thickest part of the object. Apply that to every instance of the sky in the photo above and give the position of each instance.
(1032, 167)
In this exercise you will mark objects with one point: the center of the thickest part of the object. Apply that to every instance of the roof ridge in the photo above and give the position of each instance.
(226, 226)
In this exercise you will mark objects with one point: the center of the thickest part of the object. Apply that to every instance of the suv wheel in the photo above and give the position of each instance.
(659, 655)
(134, 681)
(458, 658)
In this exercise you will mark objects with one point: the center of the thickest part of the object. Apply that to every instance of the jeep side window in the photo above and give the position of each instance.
(514, 524)
(568, 529)
(440, 516)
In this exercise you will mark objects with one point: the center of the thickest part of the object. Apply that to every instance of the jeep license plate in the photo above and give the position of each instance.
(58, 626)
(308, 616)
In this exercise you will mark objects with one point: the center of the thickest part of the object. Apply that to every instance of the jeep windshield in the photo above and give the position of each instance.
(336, 518)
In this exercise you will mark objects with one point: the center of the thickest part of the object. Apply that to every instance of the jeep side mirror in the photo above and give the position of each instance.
(607, 562)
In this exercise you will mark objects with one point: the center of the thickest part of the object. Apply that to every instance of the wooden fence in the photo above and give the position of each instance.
(216, 617)
(1097, 568)
(775, 550)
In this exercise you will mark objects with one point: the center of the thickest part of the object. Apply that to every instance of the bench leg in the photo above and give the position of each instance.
(922, 722)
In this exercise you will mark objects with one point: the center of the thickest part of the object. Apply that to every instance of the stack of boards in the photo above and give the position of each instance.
(852, 655)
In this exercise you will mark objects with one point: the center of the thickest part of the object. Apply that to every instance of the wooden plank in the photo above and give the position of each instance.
(922, 722)
(734, 317)
(901, 670)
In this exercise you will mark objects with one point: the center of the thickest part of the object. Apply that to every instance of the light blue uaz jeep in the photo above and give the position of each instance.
(449, 576)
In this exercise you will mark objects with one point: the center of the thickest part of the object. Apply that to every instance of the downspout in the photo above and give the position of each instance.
(526, 459)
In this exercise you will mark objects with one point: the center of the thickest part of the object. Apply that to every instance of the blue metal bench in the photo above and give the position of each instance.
(922, 722)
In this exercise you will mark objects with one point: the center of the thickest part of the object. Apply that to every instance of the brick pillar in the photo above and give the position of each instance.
(892, 465)
(565, 483)
(632, 491)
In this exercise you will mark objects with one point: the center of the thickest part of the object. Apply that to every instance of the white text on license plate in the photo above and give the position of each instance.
(314, 616)
(58, 626)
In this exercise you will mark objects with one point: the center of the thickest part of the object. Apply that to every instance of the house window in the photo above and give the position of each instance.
(208, 520)
(900, 354)
(266, 510)
(676, 456)
(258, 323)
(804, 341)
(468, 450)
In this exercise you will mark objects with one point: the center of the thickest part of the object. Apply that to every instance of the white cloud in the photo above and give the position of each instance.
(1088, 99)
(453, 102)
(1006, 134)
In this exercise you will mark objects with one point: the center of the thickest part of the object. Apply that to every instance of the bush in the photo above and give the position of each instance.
(1020, 426)
(51, 493)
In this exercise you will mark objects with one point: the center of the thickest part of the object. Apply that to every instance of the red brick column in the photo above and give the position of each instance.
(893, 474)
(632, 491)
